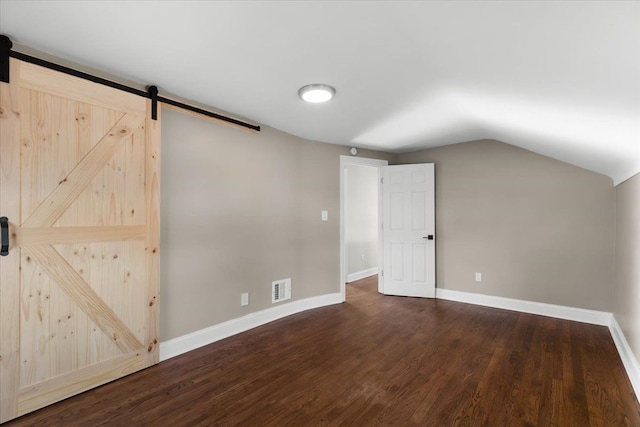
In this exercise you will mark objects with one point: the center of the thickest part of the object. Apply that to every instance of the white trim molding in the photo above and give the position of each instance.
(602, 318)
(361, 274)
(629, 360)
(194, 340)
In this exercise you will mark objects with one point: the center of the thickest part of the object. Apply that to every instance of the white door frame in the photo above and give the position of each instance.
(344, 162)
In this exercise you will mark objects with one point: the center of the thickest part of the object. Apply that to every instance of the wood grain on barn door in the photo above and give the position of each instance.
(79, 182)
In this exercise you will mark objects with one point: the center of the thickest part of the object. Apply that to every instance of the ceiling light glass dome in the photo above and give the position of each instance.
(316, 93)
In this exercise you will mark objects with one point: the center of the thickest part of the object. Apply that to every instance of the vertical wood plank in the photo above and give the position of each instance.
(153, 234)
(34, 322)
(10, 265)
(63, 345)
(63, 348)
(134, 191)
(86, 118)
(81, 320)
(91, 123)
(30, 147)
(96, 347)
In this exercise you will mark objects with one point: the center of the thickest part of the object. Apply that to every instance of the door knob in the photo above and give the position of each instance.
(4, 228)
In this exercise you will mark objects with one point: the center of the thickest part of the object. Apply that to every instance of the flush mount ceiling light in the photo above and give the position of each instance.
(316, 93)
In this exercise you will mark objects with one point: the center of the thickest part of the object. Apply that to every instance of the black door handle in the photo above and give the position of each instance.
(4, 226)
(429, 237)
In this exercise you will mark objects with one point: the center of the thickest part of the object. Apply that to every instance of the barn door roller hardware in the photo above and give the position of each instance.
(151, 93)
(5, 48)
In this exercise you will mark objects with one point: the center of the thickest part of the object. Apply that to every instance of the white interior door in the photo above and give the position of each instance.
(408, 230)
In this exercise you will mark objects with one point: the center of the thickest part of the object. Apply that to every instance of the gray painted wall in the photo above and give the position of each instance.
(536, 228)
(240, 210)
(626, 295)
(362, 218)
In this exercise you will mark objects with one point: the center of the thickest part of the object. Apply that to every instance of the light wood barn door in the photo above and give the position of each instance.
(79, 184)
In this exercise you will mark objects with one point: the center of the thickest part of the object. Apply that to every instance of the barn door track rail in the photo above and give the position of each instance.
(151, 93)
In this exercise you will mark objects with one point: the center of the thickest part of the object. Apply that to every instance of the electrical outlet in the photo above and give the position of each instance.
(325, 215)
(478, 277)
(244, 299)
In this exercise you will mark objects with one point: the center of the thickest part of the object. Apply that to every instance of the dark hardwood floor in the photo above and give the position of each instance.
(376, 360)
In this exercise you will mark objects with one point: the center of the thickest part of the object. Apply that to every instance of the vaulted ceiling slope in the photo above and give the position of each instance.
(558, 78)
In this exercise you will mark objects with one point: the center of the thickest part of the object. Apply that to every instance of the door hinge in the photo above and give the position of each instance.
(382, 272)
(381, 180)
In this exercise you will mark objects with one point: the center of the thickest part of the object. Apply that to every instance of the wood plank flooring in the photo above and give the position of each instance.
(376, 360)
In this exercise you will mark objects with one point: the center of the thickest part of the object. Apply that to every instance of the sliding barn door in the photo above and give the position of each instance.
(79, 186)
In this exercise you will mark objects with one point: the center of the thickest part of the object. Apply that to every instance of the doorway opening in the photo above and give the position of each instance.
(359, 219)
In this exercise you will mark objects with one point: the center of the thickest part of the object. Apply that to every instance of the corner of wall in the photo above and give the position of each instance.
(629, 359)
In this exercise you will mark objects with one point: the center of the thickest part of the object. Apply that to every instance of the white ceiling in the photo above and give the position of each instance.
(558, 78)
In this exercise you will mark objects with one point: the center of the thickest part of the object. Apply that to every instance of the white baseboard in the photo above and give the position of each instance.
(361, 274)
(193, 340)
(629, 360)
(185, 343)
(602, 318)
